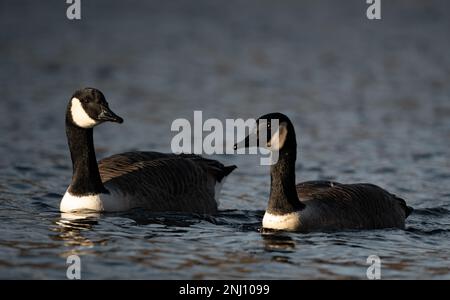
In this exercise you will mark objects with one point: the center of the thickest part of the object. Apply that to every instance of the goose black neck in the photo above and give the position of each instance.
(283, 192)
(86, 178)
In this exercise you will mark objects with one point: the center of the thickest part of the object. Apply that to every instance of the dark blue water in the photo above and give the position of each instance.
(369, 100)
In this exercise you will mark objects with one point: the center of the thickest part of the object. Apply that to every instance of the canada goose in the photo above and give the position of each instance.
(319, 205)
(150, 180)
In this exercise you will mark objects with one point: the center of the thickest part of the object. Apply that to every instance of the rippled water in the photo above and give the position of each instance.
(369, 100)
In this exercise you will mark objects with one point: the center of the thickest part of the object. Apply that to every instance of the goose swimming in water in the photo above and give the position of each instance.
(150, 180)
(319, 205)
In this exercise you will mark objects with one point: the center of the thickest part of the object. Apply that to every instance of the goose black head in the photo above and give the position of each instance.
(273, 131)
(89, 108)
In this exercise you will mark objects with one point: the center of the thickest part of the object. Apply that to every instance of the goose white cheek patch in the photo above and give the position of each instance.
(270, 149)
(278, 139)
(79, 115)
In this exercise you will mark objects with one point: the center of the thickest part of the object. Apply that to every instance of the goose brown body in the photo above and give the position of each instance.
(332, 206)
(151, 180)
(319, 205)
(165, 182)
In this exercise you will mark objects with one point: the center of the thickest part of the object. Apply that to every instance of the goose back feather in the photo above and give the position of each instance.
(332, 205)
(165, 182)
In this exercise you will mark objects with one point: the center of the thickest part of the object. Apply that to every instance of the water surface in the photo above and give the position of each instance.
(370, 103)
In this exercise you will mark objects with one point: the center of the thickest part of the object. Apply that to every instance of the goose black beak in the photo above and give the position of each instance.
(108, 115)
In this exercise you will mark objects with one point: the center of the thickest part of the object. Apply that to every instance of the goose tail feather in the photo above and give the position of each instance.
(408, 209)
(228, 169)
(223, 172)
